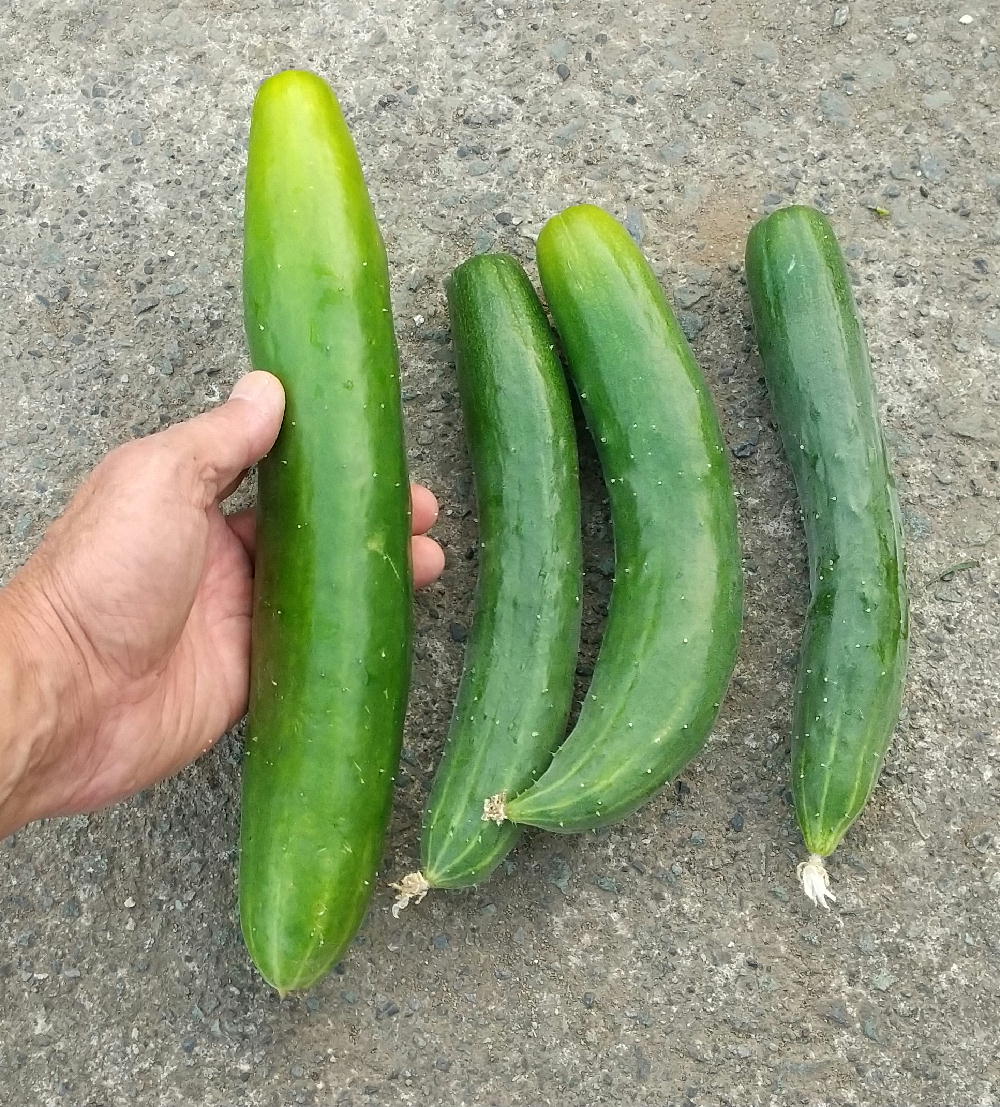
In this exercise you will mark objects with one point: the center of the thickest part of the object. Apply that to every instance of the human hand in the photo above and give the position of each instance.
(132, 620)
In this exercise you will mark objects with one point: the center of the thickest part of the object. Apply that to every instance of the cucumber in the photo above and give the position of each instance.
(853, 656)
(517, 680)
(673, 626)
(332, 604)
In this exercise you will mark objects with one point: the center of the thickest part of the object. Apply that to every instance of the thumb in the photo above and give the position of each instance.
(223, 442)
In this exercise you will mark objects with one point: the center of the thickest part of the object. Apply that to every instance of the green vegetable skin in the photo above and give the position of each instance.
(517, 683)
(673, 626)
(853, 657)
(332, 619)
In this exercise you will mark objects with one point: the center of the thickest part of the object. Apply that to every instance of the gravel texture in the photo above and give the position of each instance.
(670, 961)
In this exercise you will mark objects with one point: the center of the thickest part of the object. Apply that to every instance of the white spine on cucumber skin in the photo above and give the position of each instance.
(412, 889)
(815, 881)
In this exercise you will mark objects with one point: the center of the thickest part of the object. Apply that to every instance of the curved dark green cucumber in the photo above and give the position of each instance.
(517, 683)
(332, 605)
(673, 626)
(853, 658)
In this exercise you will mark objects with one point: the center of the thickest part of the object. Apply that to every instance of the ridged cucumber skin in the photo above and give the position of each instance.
(517, 681)
(674, 620)
(854, 651)
(332, 604)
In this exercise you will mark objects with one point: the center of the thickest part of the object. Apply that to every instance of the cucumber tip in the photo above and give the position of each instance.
(411, 889)
(495, 809)
(815, 881)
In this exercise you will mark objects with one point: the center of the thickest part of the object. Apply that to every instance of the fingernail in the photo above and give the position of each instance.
(252, 387)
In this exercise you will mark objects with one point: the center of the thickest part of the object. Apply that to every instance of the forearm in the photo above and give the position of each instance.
(40, 704)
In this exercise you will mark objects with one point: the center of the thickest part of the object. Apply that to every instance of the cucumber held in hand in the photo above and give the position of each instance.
(853, 657)
(673, 625)
(332, 618)
(517, 682)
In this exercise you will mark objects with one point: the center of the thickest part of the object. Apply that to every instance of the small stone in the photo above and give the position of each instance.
(673, 153)
(560, 874)
(978, 426)
(965, 20)
(458, 632)
(837, 1014)
(559, 50)
(504, 218)
(440, 941)
(745, 450)
(933, 165)
(607, 884)
(835, 107)
(635, 224)
(689, 294)
(841, 15)
(766, 52)
(737, 822)
(145, 303)
(937, 100)
(871, 1030)
(567, 133)
(691, 323)
(562, 70)
(589, 999)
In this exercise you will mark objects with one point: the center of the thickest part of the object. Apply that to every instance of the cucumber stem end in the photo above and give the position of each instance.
(495, 809)
(815, 881)
(412, 889)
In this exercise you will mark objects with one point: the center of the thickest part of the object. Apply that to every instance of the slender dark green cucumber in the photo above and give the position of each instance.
(517, 682)
(673, 626)
(332, 604)
(853, 658)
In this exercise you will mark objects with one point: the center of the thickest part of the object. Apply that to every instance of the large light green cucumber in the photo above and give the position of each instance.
(332, 618)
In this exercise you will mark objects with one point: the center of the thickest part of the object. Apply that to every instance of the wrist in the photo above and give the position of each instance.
(42, 678)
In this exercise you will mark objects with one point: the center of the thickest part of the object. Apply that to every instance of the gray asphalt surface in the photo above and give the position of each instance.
(670, 961)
